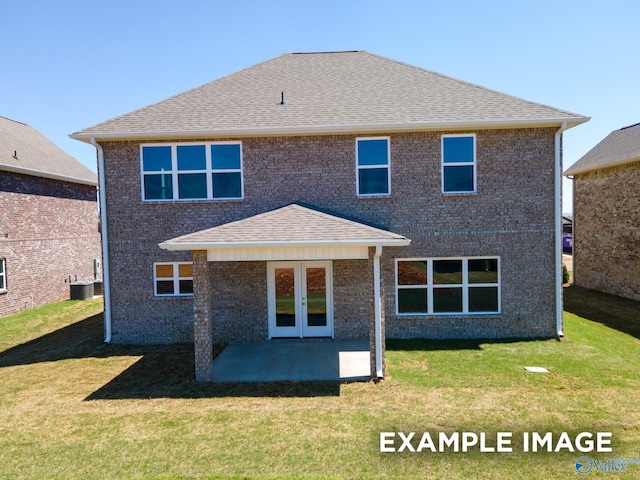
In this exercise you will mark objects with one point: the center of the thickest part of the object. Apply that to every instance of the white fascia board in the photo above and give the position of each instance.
(578, 171)
(293, 244)
(334, 129)
(49, 175)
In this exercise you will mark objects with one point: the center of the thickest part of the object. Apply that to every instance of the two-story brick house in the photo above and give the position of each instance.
(49, 220)
(339, 195)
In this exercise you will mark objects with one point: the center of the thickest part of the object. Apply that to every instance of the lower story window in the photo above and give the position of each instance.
(3, 275)
(445, 286)
(173, 279)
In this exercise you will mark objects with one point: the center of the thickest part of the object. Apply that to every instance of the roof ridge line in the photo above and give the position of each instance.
(15, 121)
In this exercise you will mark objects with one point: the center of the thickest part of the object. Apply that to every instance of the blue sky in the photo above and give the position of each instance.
(67, 65)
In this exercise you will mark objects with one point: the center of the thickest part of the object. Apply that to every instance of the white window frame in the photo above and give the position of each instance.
(473, 164)
(176, 280)
(209, 171)
(364, 167)
(3, 274)
(465, 285)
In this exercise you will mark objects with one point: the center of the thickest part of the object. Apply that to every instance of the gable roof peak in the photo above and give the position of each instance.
(351, 91)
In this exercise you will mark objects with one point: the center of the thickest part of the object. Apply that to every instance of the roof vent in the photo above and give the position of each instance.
(15, 155)
(282, 100)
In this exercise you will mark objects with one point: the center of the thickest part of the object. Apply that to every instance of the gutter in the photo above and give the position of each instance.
(396, 242)
(49, 175)
(377, 309)
(558, 229)
(332, 129)
(106, 285)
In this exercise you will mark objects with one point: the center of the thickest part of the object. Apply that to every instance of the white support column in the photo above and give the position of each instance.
(377, 310)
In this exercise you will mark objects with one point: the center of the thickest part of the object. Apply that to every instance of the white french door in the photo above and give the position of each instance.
(300, 302)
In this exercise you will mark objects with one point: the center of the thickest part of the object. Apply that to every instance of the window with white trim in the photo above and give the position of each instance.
(459, 163)
(446, 286)
(192, 171)
(373, 170)
(3, 275)
(173, 279)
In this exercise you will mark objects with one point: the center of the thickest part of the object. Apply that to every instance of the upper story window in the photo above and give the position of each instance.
(459, 163)
(373, 166)
(3, 275)
(173, 279)
(192, 171)
(445, 286)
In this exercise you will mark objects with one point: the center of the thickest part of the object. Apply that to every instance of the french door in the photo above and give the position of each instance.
(300, 302)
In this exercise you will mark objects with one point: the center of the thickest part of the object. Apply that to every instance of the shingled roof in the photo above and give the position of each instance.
(292, 225)
(25, 150)
(327, 92)
(618, 148)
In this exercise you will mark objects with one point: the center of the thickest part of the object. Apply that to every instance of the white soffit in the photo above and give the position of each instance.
(284, 253)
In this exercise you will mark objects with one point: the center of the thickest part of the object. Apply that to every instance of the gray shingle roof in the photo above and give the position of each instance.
(25, 150)
(290, 225)
(324, 93)
(619, 147)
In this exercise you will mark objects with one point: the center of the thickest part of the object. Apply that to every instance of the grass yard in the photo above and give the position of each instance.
(73, 408)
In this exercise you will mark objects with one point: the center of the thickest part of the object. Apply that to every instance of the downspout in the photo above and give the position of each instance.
(377, 310)
(106, 285)
(558, 229)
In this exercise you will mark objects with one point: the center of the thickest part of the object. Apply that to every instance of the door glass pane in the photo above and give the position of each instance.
(316, 297)
(285, 297)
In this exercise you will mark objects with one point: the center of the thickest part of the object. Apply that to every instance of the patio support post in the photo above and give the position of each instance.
(377, 346)
(202, 328)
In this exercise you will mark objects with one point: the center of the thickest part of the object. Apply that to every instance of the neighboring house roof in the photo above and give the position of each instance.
(25, 150)
(618, 148)
(292, 225)
(327, 92)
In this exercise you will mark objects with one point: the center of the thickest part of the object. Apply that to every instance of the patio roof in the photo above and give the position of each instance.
(292, 226)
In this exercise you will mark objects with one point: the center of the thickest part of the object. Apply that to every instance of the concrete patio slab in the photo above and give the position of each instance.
(293, 360)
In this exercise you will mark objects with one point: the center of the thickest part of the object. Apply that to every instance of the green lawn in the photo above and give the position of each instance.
(71, 407)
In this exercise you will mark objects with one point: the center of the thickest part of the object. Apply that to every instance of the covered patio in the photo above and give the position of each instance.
(296, 272)
(293, 360)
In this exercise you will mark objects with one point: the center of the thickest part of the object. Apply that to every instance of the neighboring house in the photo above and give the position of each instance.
(567, 233)
(49, 231)
(337, 194)
(606, 215)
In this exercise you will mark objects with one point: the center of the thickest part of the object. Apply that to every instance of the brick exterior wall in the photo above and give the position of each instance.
(511, 216)
(605, 230)
(48, 232)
